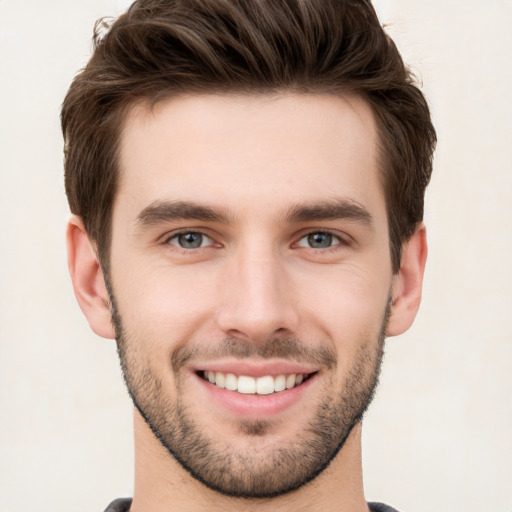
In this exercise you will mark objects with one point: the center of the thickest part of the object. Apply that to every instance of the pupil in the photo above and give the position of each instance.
(320, 240)
(191, 240)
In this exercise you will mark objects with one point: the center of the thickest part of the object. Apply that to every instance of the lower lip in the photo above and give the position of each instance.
(256, 406)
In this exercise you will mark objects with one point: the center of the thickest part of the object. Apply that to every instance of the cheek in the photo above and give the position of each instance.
(347, 306)
(168, 306)
(165, 306)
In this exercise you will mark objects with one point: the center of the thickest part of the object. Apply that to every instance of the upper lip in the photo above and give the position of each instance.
(253, 368)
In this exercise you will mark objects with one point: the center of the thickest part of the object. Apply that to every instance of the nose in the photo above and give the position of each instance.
(257, 299)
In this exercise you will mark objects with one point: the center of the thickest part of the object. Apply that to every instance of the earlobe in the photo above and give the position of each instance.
(408, 282)
(88, 280)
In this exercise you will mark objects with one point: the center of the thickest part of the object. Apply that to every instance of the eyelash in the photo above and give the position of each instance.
(176, 235)
(339, 240)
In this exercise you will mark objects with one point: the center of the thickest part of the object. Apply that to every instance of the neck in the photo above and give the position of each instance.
(161, 484)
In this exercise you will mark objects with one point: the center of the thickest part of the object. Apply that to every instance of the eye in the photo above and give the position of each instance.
(190, 240)
(319, 240)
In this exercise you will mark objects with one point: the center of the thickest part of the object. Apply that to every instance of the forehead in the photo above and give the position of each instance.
(249, 153)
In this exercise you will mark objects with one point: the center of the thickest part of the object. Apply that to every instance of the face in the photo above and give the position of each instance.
(250, 281)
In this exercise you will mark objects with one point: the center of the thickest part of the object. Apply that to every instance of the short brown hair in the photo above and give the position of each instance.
(160, 48)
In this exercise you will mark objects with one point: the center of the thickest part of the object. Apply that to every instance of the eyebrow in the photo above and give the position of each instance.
(330, 210)
(165, 211)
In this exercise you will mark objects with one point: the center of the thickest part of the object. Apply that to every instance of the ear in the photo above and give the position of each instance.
(88, 280)
(407, 283)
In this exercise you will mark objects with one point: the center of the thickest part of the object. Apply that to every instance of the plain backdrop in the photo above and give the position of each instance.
(439, 434)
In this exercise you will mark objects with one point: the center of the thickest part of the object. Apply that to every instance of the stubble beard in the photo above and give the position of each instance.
(255, 472)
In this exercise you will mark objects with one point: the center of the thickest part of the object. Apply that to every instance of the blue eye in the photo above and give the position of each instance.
(190, 240)
(319, 240)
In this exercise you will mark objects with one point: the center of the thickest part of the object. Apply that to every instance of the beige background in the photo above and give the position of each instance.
(439, 435)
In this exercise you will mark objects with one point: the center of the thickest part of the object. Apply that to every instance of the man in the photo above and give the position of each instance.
(247, 183)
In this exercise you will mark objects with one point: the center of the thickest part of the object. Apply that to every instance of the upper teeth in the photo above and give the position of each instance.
(250, 385)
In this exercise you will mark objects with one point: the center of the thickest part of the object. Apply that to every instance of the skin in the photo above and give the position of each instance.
(255, 278)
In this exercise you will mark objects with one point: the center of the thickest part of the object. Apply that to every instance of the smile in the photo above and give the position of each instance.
(246, 385)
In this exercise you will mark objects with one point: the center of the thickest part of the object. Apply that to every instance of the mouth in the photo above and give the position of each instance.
(247, 385)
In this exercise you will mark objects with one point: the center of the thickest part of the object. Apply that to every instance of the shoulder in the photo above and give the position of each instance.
(380, 507)
(119, 505)
(123, 505)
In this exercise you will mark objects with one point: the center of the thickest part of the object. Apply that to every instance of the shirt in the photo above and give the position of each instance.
(123, 505)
